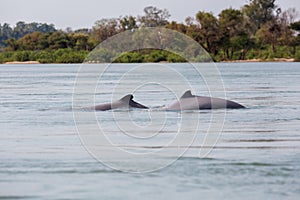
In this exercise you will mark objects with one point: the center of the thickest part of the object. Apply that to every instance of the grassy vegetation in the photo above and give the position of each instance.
(45, 56)
(75, 56)
(149, 56)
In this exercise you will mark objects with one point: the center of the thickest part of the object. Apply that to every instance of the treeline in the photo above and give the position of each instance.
(259, 30)
(21, 29)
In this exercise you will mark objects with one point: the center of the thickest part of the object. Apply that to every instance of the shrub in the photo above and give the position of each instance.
(297, 56)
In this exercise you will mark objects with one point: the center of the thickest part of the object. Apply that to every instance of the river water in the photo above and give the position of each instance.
(256, 155)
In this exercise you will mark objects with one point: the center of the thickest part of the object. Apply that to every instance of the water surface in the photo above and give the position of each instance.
(257, 154)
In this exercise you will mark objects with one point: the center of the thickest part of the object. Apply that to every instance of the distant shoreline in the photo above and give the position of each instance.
(224, 61)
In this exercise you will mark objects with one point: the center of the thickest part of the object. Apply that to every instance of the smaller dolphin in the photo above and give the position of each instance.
(124, 102)
(192, 102)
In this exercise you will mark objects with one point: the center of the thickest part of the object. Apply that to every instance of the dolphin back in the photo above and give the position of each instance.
(187, 94)
(135, 104)
(188, 101)
(102, 107)
(128, 100)
(124, 102)
(234, 105)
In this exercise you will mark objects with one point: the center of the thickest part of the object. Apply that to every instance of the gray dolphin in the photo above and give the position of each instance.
(192, 102)
(124, 102)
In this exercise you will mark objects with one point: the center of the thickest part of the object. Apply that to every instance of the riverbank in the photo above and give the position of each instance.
(143, 56)
(226, 61)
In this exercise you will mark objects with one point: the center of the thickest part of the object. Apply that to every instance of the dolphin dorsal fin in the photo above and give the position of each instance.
(187, 94)
(127, 98)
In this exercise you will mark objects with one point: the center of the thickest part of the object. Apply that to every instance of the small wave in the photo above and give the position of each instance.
(189, 158)
(59, 171)
(17, 197)
(265, 140)
(262, 164)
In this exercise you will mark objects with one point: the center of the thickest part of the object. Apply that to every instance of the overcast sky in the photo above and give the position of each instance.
(83, 13)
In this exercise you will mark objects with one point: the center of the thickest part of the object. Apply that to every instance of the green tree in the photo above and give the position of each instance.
(269, 33)
(193, 29)
(43, 41)
(80, 41)
(287, 37)
(208, 30)
(5, 33)
(177, 27)
(30, 41)
(230, 26)
(243, 43)
(295, 26)
(58, 40)
(260, 12)
(19, 30)
(23, 28)
(105, 28)
(154, 17)
(46, 56)
(11, 44)
(276, 31)
(128, 23)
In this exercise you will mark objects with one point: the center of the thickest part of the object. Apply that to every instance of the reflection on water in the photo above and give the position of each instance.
(257, 154)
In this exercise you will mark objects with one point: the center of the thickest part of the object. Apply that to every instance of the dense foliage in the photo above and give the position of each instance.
(259, 30)
(21, 29)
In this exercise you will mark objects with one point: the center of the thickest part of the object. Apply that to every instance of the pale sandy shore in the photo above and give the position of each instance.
(25, 62)
(261, 60)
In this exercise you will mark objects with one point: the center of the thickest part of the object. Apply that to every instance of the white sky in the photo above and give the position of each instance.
(83, 13)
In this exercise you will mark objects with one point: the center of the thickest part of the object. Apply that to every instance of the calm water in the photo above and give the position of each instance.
(257, 155)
